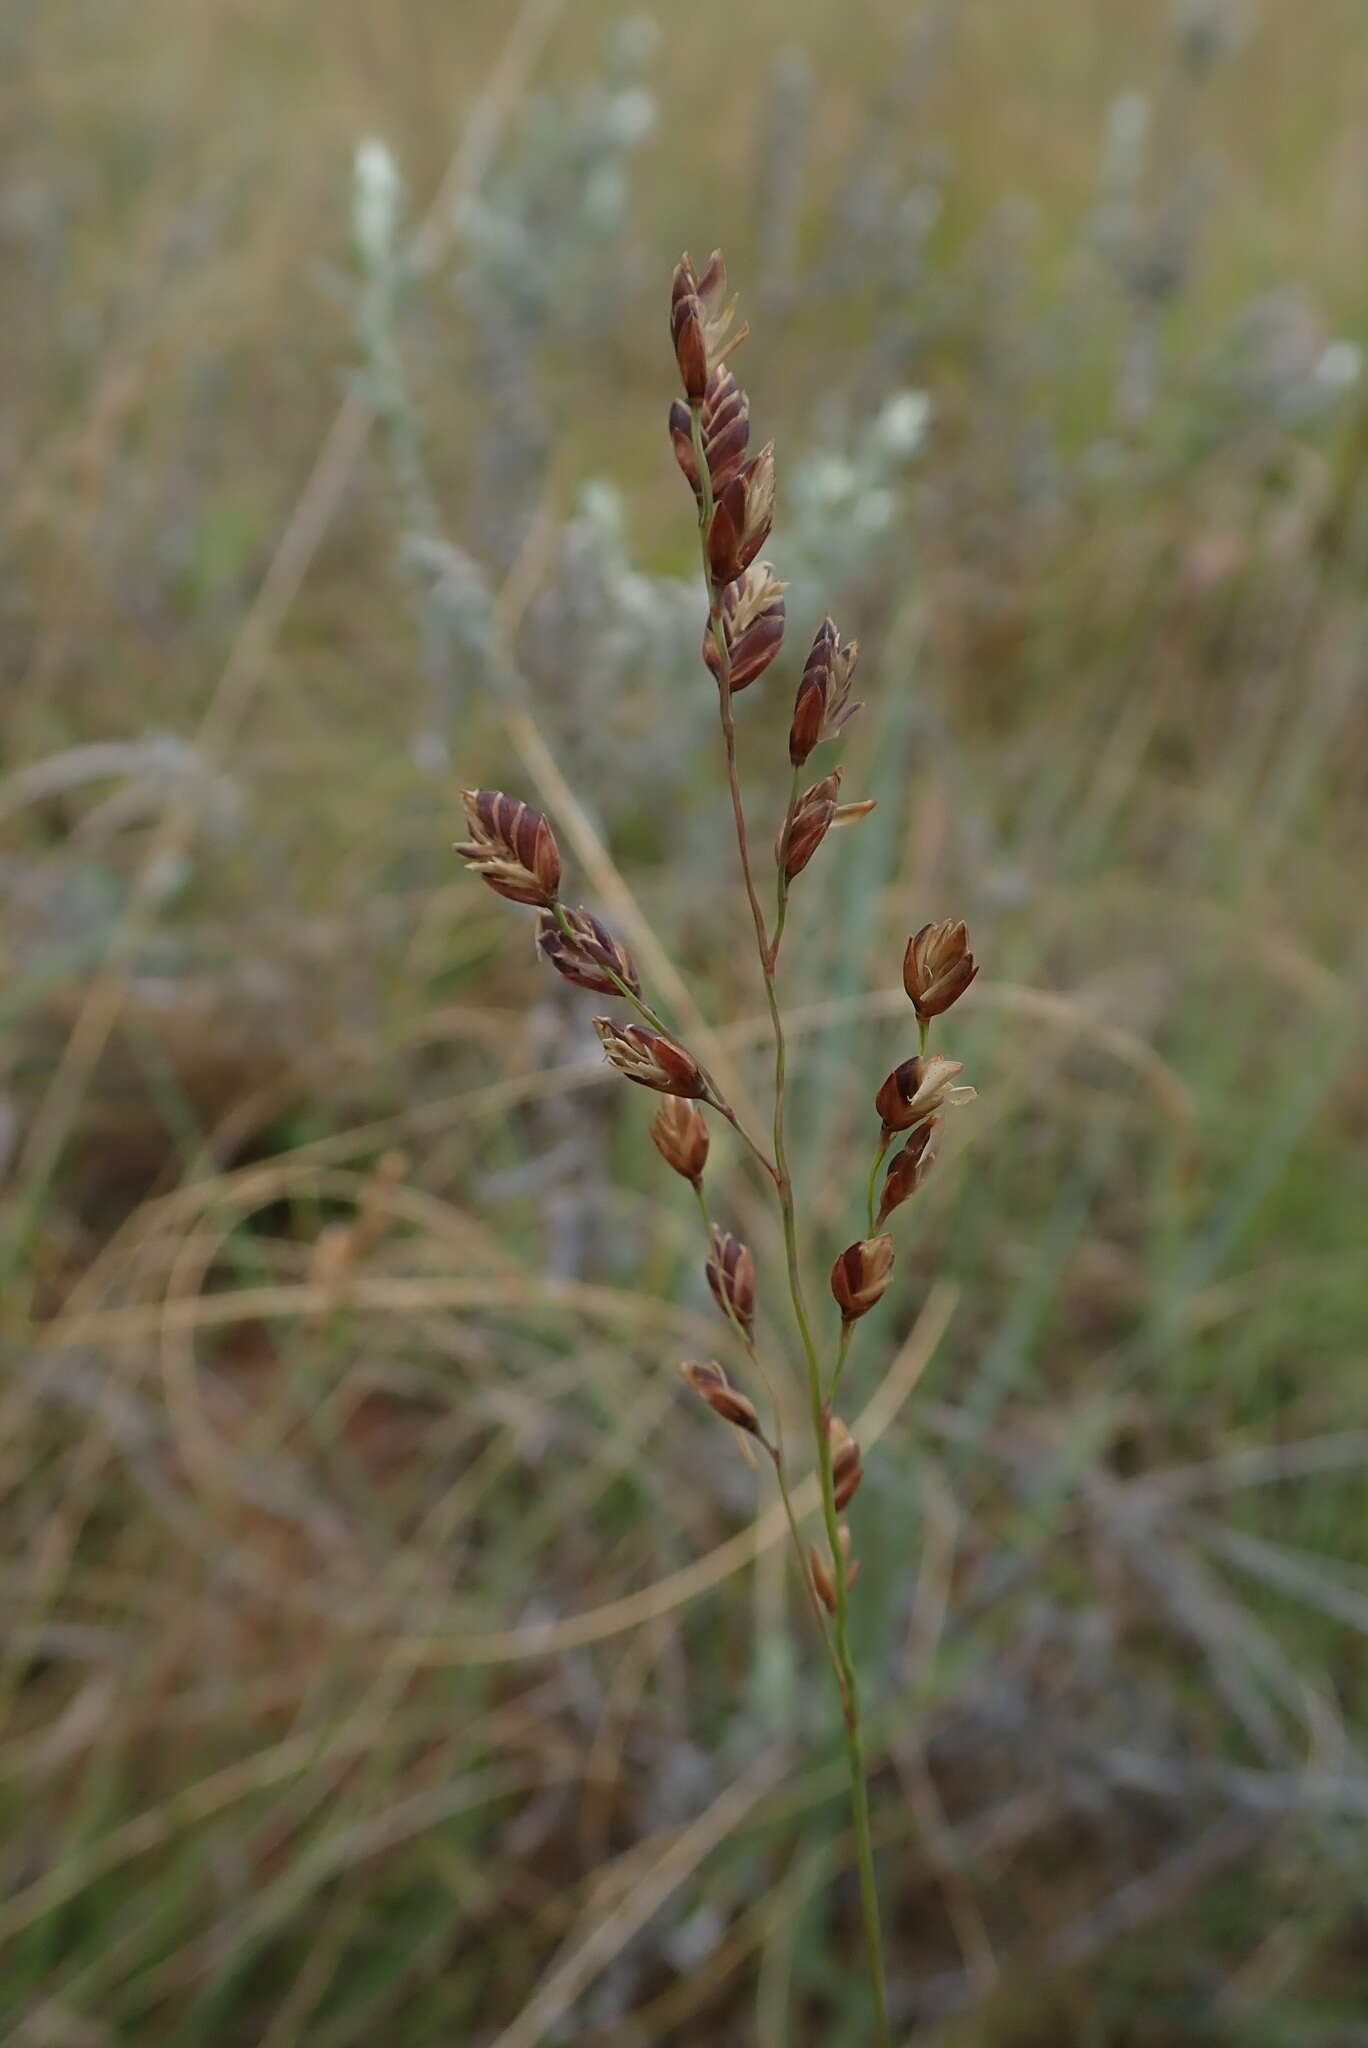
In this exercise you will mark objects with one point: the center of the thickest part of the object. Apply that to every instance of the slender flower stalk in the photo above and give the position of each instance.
(880, 1154)
(513, 849)
(768, 957)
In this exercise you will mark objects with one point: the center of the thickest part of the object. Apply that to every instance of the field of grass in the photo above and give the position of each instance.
(390, 1652)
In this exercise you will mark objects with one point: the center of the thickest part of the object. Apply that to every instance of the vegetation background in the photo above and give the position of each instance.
(388, 1653)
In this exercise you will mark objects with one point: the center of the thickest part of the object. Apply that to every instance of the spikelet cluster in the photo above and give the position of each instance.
(513, 849)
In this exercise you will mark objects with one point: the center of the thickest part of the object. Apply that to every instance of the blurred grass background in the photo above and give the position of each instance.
(388, 1653)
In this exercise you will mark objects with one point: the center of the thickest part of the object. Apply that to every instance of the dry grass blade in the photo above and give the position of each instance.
(596, 1948)
(303, 534)
(674, 1591)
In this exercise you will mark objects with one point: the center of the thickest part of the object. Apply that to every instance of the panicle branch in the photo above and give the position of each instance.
(512, 848)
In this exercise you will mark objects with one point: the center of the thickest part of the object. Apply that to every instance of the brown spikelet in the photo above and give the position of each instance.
(711, 1384)
(937, 967)
(679, 1132)
(846, 1473)
(742, 518)
(860, 1276)
(681, 439)
(752, 617)
(687, 331)
(823, 1583)
(917, 1089)
(724, 421)
(813, 817)
(701, 316)
(822, 705)
(587, 954)
(511, 847)
(726, 428)
(650, 1058)
(731, 1276)
(909, 1168)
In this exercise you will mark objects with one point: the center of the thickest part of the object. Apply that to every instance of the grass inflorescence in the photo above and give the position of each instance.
(393, 1646)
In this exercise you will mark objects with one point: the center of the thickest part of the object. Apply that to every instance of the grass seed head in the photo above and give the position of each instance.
(742, 518)
(915, 1090)
(823, 1584)
(587, 953)
(726, 428)
(822, 705)
(711, 1384)
(752, 626)
(813, 817)
(701, 316)
(511, 847)
(679, 1132)
(937, 967)
(909, 1168)
(724, 420)
(846, 1472)
(860, 1276)
(688, 332)
(731, 1276)
(650, 1058)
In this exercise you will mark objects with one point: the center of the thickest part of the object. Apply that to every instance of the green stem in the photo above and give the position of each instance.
(781, 914)
(725, 1109)
(842, 1353)
(848, 1685)
(880, 1153)
(624, 989)
(854, 1740)
(776, 1451)
(715, 1097)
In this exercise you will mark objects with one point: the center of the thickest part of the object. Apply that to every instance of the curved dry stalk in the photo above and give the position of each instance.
(316, 507)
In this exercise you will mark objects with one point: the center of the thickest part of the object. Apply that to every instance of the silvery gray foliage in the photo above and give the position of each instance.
(1153, 196)
(847, 498)
(454, 611)
(1209, 31)
(456, 620)
(542, 238)
(1277, 367)
(69, 901)
(607, 645)
(786, 129)
(873, 235)
(546, 257)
